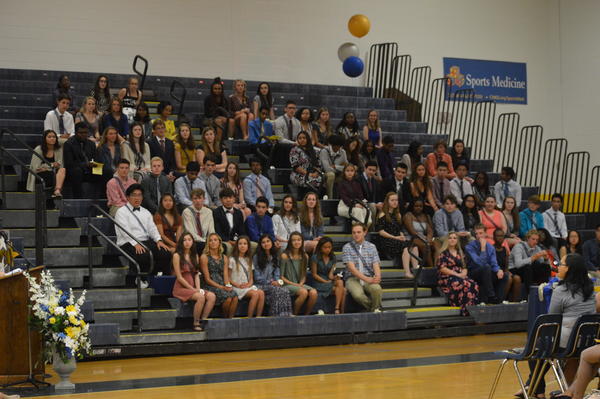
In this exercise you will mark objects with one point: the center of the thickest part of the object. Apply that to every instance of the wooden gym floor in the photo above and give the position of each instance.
(462, 367)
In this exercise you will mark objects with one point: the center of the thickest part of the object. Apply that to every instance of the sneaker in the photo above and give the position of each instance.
(143, 284)
(377, 310)
(481, 304)
(320, 312)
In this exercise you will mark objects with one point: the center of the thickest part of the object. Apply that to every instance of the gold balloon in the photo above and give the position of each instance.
(359, 25)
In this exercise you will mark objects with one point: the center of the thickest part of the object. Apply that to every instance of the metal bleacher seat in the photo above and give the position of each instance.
(542, 347)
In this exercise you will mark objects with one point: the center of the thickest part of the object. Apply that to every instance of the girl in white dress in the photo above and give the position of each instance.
(286, 221)
(241, 277)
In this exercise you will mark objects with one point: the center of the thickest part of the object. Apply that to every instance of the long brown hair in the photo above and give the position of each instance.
(304, 217)
(395, 214)
(236, 254)
(185, 145)
(328, 130)
(105, 134)
(180, 250)
(236, 178)
(140, 139)
(289, 252)
(294, 212)
(216, 146)
(414, 178)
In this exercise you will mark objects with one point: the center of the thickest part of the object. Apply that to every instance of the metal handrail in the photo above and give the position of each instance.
(139, 272)
(181, 99)
(141, 74)
(40, 198)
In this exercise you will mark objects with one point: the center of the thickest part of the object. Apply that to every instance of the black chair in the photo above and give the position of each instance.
(585, 331)
(541, 347)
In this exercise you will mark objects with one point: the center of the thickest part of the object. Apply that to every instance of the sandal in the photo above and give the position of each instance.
(57, 194)
(337, 311)
(198, 326)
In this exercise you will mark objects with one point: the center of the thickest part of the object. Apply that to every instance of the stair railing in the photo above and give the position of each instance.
(141, 74)
(180, 99)
(41, 223)
(90, 226)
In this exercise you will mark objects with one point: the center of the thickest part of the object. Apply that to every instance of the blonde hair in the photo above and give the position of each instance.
(458, 247)
(157, 159)
(206, 250)
(235, 82)
(105, 133)
(85, 100)
(377, 123)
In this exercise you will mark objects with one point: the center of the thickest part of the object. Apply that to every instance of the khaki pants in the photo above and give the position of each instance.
(357, 212)
(368, 295)
(329, 182)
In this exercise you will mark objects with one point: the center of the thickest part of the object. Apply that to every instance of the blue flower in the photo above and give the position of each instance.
(63, 301)
(45, 308)
(62, 335)
(69, 352)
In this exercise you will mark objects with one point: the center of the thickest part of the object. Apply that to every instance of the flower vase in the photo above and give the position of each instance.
(64, 370)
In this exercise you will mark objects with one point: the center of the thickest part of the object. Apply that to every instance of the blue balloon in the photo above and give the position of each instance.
(353, 66)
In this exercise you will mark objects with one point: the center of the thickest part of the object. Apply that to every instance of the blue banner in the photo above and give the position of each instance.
(503, 82)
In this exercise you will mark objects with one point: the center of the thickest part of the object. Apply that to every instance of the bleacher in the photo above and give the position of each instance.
(25, 97)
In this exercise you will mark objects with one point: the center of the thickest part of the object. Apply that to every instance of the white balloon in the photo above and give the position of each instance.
(348, 50)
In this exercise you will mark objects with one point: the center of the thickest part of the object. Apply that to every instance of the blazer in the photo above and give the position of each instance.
(78, 154)
(222, 225)
(149, 184)
(404, 196)
(168, 156)
(256, 229)
(374, 194)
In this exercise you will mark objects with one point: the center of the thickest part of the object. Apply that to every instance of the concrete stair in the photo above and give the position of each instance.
(57, 236)
(161, 337)
(24, 218)
(117, 298)
(103, 276)
(68, 256)
(152, 319)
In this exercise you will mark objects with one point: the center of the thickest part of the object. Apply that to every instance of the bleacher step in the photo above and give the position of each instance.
(438, 311)
(102, 334)
(57, 237)
(405, 303)
(12, 183)
(402, 293)
(161, 337)
(117, 298)
(20, 218)
(103, 276)
(152, 319)
(68, 256)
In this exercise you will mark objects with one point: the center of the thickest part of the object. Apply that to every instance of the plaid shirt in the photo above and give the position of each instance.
(369, 254)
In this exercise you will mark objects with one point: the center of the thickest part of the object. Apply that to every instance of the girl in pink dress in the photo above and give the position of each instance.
(186, 267)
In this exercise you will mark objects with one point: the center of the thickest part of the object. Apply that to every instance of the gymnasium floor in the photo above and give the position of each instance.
(440, 368)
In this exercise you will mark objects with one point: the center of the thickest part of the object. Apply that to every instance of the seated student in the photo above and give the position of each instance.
(267, 276)
(168, 222)
(306, 168)
(548, 244)
(530, 218)
(305, 116)
(573, 245)
(294, 262)
(372, 129)
(136, 220)
(155, 185)
(198, 219)
(78, 154)
(363, 275)
(232, 181)
(353, 152)
(348, 127)
(586, 372)
(448, 218)
(512, 290)
(591, 251)
(101, 93)
(483, 268)
(492, 219)
(413, 156)
(162, 147)
(420, 187)
(351, 194)
(470, 213)
(333, 160)
(116, 118)
(260, 129)
(211, 146)
(453, 278)
(186, 268)
(325, 281)
(439, 155)
(286, 128)
(259, 222)
(108, 152)
(459, 154)
(185, 148)
(286, 221)
(165, 109)
(529, 261)
(188, 183)
(257, 185)
(385, 158)
(322, 130)
(214, 266)
(211, 182)
(117, 186)
(440, 185)
(368, 152)
(217, 110)
(420, 227)
(137, 152)
(142, 116)
(229, 221)
(371, 188)
(481, 187)
(263, 99)
(392, 241)
(59, 119)
(460, 186)
(311, 221)
(88, 114)
(513, 220)
(507, 186)
(131, 96)
(400, 185)
(53, 172)
(241, 277)
(63, 88)
(240, 108)
(555, 221)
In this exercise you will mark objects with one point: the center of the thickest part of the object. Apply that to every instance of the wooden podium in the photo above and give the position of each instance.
(14, 323)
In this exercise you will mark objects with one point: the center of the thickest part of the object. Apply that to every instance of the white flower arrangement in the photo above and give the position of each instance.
(58, 317)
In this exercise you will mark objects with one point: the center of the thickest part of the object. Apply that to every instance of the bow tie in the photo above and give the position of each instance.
(230, 210)
(136, 209)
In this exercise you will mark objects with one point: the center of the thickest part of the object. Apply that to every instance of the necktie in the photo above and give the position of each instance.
(533, 223)
(198, 223)
(399, 191)
(370, 185)
(162, 145)
(441, 190)
(462, 192)
(505, 189)
(290, 129)
(61, 124)
(259, 188)
(449, 222)
(555, 222)
(157, 190)
(191, 188)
